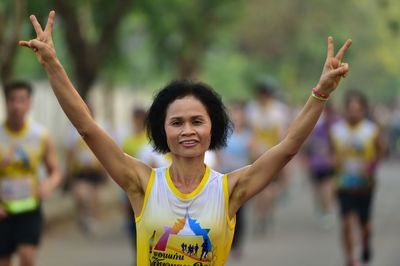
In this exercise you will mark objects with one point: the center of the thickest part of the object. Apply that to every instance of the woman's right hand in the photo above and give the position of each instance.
(42, 45)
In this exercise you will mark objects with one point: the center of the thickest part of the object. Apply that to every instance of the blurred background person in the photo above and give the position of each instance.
(321, 166)
(357, 151)
(24, 146)
(392, 146)
(268, 118)
(86, 176)
(235, 155)
(137, 145)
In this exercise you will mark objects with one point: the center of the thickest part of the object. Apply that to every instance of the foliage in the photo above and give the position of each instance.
(182, 31)
(230, 44)
(292, 42)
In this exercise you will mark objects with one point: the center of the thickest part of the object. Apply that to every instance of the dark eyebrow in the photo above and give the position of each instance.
(197, 117)
(192, 117)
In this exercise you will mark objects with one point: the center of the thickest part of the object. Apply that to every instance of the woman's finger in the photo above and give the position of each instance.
(340, 71)
(36, 44)
(343, 50)
(50, 22)
(330, 50)
(24, 43)
(36, 25)
(30, 44)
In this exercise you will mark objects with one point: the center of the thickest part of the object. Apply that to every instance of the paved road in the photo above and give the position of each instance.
(296, 239)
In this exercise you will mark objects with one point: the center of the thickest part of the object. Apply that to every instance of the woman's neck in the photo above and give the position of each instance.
(187, 173)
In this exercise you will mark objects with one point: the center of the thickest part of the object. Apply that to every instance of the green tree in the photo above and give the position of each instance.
(182, 31)
(90, 29)
(290, 37)
(12, 15)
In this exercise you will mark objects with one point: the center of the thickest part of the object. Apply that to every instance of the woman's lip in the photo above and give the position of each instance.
(188, 143)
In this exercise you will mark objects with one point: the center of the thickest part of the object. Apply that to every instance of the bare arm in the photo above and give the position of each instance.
(52, 167)
(379, 154)
(129, 173)
(246, 182)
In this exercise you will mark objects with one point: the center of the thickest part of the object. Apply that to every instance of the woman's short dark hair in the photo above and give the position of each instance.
(221, 126)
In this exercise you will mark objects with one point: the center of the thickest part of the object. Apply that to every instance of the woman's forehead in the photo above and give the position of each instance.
(186, 106)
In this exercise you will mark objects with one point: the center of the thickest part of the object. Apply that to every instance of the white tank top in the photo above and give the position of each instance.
(20, 156)
(184, 229)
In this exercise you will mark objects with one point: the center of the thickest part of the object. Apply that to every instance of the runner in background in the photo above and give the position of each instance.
(269, 119)
(137, 145)
(87, 176)
(357, 150)
(24, 146)
(321, 166)
(235, 155)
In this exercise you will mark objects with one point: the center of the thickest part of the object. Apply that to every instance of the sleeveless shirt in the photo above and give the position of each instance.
(355, 147)
(20, 156)
(184, 229)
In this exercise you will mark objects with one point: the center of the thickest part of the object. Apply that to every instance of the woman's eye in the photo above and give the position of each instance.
(197, 122)
(176, 123)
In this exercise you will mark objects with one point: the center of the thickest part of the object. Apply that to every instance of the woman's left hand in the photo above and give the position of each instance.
(334, 69)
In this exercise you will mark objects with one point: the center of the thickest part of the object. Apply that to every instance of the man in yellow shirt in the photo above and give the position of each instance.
(24, 146)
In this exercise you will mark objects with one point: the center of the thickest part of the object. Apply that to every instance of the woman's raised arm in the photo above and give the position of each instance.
(246, 182)
(126, 171)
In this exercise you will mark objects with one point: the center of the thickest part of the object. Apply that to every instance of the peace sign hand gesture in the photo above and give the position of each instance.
(43, 44)
(334, 69)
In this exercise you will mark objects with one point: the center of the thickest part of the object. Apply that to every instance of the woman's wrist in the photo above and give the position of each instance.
(322, 91)
(317, 94)
(52, 64)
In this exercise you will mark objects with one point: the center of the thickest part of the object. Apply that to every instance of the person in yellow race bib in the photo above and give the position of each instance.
(24, 145)
(358, 148)
(185, 213)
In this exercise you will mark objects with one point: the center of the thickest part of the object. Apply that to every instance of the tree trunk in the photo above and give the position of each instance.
(88, 58)
(9, 46)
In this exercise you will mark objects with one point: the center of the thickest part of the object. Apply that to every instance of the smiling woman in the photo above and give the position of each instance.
(185, 211)
(210, 108)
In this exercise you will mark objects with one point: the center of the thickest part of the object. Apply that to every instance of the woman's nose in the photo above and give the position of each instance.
(187, 129)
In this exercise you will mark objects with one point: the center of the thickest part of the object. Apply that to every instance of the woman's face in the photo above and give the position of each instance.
(188, 127)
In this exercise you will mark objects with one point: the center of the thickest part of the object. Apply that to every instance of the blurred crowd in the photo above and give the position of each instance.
(340, 158)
